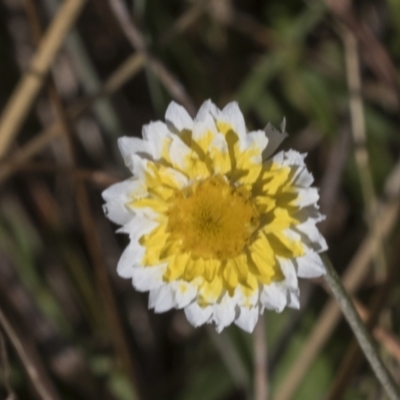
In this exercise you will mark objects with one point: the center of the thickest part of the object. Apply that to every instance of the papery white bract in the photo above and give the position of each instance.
(218, 225)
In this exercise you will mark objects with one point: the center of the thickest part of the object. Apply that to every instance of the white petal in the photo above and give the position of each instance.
(289, 272)
(283, 125)
(309, 212)
(311, 236)
(248, 318)
(254, 139)
(208, 107)
(184, 293)
(123, 190)
(204, 125)
(197, 315)
(179, 178)
(274, 296)
(178, 117)
(224, 312)
(310, 265)
(117, 212)
(219, 145)
(178, 152)
(278, 158)
(161, 299)
(130, 258)
(156, 133)
(294, 298)
(219, 142)
(293, 157)
(137, 165)
(138, 226)
(303, 178)
(232, 114)
(244, 300)
(275, 139)
(117, 196)
(145, 212)
(132, 145)
(307, 196)
(148, 278)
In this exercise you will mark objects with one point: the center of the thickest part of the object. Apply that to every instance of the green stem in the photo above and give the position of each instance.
(363, 337)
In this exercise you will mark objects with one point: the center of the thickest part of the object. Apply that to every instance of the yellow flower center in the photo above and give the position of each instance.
(212, 219)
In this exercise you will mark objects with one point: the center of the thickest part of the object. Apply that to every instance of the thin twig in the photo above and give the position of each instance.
(89, 229)
(5, 367)
(330, 315)
(185, 20)
(390, 341)
(225, 13)
(122, 75)
(353, 356)
(100, 178)
(360, 140)
(135, 37)
(260, 361)
(378, 58)
(104, 110)
(24, 94)
(384, 336)
(332, 177)
(30, 360)
(360, 331)
(104, 285)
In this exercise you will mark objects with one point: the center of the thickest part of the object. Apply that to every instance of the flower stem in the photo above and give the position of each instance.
(363, 337)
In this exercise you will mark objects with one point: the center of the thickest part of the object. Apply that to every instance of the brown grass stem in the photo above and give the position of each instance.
(122, 74)
(104, 285)
(5, 369)
(135, 37)
(30, 359)
(18, 106)
(330, 316)
(358, 131)
(360, 331)
(353, 356)
(260, 360)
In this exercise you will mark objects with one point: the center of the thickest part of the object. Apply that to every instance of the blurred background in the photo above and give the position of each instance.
(76, 75)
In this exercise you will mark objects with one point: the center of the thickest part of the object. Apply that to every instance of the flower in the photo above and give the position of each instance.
(217, 226)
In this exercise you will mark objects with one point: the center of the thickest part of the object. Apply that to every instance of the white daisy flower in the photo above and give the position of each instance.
(218, 226)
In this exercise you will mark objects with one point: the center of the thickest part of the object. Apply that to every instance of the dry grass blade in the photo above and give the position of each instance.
(135, 37)
(21, 100)
(330, 183)
(360, 140)
(186, 20)
(360, 331)
(390, 341)
(30, 360)
(330, 316)
(260, 361)
(5, 369)
(117, 331)
(124, 73)
(99, 178)
(378, 57)
(385, 337)
(358, 120)
(104, 285)
(8, 166)
(225, 13)
(353, 357)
